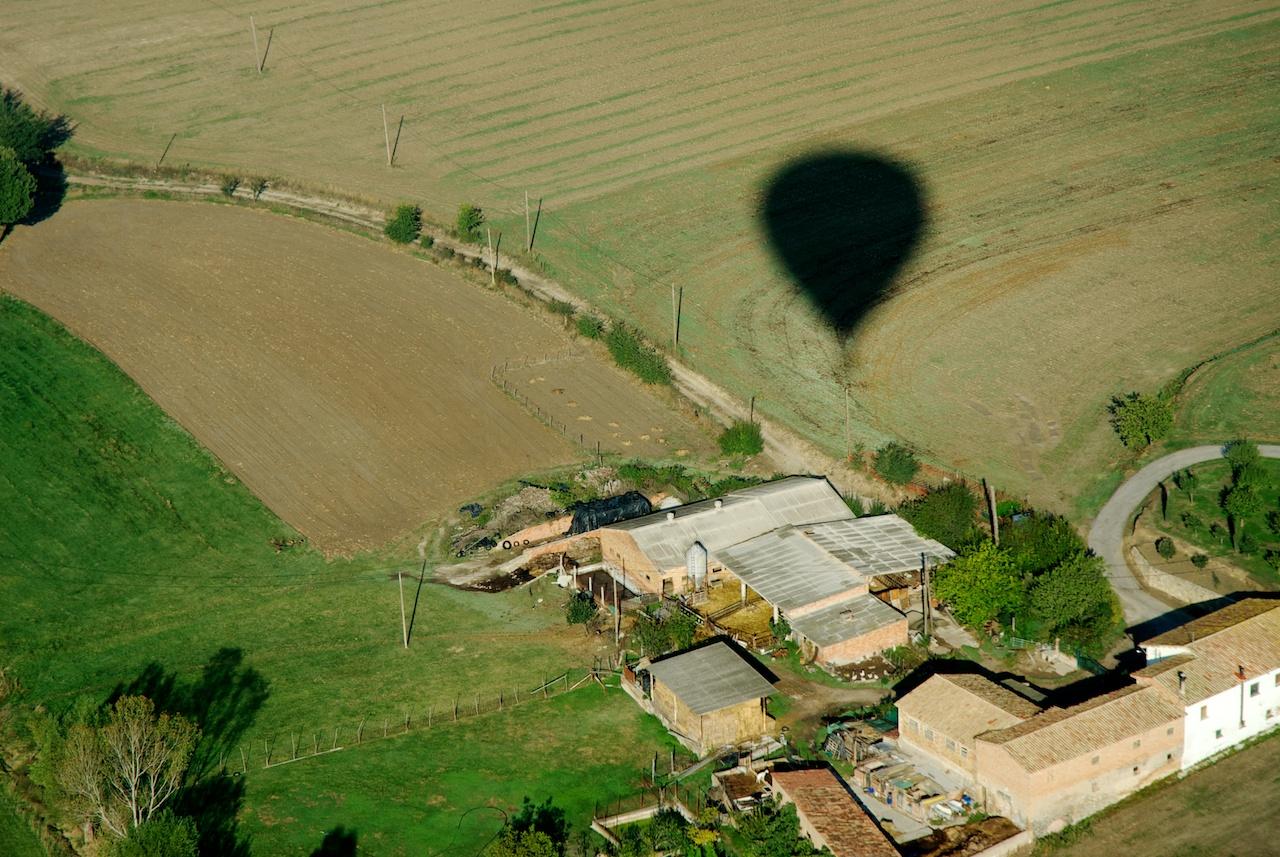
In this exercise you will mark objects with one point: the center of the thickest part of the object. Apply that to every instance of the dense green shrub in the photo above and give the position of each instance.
(1199, 560)
(470, 219)
(405, 224)
(427, 242)
(947, 513)
(229, 185)
(17, 189)
(632, 353)
(982, 585)
(563, 308)
(259, 187)
(896, 464)
(590, 327)
(676, 477)
(1165, 547)
(741, 438)
(164, 835)
(1140, 420)
(1040, 541)
(580, 609)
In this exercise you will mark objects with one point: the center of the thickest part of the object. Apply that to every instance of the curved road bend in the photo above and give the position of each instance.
(1106, 536)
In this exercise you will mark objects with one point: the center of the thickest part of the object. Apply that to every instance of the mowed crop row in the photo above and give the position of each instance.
(566, 100)
(347, 386)
(1087, 232)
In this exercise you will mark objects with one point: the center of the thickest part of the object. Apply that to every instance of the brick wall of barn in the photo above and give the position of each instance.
(1050, 799)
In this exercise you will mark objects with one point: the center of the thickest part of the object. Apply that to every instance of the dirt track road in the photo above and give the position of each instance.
(788, 453)
(1106, 536)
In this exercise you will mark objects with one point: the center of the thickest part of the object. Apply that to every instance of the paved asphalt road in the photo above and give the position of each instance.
(1106, 537)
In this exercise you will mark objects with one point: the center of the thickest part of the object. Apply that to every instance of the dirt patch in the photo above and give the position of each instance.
(348, 386)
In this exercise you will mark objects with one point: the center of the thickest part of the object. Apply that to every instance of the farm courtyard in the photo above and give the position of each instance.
(1094, 181)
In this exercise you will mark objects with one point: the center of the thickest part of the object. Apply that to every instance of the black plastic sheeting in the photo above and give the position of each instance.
(602, 513)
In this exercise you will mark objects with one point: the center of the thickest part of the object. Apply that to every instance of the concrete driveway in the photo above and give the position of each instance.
(1106, 536)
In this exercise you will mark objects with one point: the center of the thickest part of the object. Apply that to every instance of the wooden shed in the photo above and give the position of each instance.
(711, 696)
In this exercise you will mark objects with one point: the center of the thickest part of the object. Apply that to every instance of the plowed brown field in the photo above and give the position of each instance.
(349, 387)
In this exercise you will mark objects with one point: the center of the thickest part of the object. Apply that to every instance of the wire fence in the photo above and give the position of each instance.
(276, 749)
(499, 375)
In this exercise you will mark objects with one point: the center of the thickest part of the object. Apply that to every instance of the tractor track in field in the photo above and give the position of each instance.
(786, 451)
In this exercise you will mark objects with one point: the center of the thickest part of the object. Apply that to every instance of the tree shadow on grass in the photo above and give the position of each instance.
(223, 702)
(844, 223)
(339, 842)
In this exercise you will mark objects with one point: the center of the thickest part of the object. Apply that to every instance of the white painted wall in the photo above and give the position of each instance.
(1219, 727)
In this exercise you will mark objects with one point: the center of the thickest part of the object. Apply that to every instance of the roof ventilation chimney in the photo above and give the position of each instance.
(671, 516)
(719, 504)
(1182, 683)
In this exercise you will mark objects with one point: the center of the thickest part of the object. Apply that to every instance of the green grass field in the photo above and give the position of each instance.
(1205, 511)
(16, 838)
(1236, 396)
(130, 557)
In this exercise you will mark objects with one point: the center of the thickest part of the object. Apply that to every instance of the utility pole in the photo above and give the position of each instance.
(528, 239)
(675, 320)
(752, 418)
(924, 580)
(167, 146)
(493, 258)
(257, 62)
(404, 625)
(386, 135)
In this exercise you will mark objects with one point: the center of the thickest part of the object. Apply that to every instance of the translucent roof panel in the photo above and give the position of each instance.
(742, 515)
(788, 570)
(845, 620)
(883, 544)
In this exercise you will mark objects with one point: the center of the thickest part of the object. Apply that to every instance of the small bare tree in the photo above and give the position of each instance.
(124, 771)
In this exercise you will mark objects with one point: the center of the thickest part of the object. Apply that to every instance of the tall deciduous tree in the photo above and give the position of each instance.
(1140, 420)
(980, 586)
(1074, 600)
(123, 772)
(1240, 501)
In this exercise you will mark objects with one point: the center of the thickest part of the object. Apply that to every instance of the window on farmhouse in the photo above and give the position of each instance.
(1204, 712)
(1135, 770)
(1253, 689)
(1095, 760)
(928, 734)
(964, 752)
(1169, 731)
(951, 745)
(1217, 733)
(1137, 744)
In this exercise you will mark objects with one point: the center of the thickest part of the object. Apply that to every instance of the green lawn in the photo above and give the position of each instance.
(1234, 396)
(16, 838)
(443, 787)
(1191, 518)
(130, 557)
